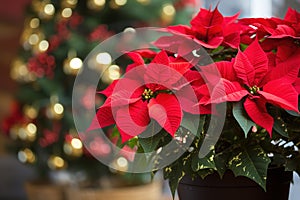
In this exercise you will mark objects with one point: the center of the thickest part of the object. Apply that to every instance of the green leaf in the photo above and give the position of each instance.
(221, 160)
(193, 123)
(280, 127)
(174, 173)
(242, 118)
(206, 162)
(151, 138)
(251, 162)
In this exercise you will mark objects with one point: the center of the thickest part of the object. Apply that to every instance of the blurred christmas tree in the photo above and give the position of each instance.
(58, 35)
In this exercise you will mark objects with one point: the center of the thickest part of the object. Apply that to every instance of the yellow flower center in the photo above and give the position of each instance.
(147, 94)
(254, 89)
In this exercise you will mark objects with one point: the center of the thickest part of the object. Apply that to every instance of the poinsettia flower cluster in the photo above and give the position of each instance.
(257, 73)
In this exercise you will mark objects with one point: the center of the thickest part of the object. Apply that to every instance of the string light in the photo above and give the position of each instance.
(19, 72)
(26, 156)
(129, 30)
(43, 45)
(58, 108)
(34, 23)
(96, 4)
(49, 9)
(72, 64)
(73, 147)
(104, 58)
(120, 164)
(69, 3)
(56, 162)
(168, 13)
(33, 39)
(120, 2)
(76, 143)
(55, 110)
(75, 63)
(66, 13)
(114, 72)
(30, 112)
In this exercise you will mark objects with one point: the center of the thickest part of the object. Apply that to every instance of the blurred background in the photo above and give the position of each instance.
(69, 29)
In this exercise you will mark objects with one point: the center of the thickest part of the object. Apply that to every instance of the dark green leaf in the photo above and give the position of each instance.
(280, 127)
(242, 118)
(193, 123)
(206, 162)
(174, 173)
(221, 161)
(251, 162)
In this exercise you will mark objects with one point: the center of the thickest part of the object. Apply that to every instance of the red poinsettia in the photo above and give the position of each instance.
(249, 76)
(210, 29)
(144, 93)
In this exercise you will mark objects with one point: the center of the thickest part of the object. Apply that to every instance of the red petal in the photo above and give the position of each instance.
(188, 100)
(181, 67)
(226, 70)
(207, 18)
(211, 43)
(136, 57)
(232, 40)
(133, 120)
(281, 94)
(283, 31)
(109, 90)
(126, 91)
(103, 118)
(257, 111)
(165, 109)
(259, 61)
(297, 85)
(161, 58)
(244, 69)
(180, 29)
(233, 92)
(160, 77)
(292, 15)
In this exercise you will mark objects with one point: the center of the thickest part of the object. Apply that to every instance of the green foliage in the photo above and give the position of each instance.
(241, 117)
(251, 162)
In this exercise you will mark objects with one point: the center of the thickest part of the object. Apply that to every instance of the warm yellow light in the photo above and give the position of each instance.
(72, 2)
(58, 108)
(129, 30)
(49, 9)
(30, 112)
(99, 2)
(75, 63)
(56, 162)
(34, 23)
(114, 72)
(26, 156)
(22, 134)
(31, 132)
(76, 143)
(104, 58)
(120, 2)
(169, 10)
(66, 13)
(31, 128)
(33, 39)
(122, 163)
(44, 45)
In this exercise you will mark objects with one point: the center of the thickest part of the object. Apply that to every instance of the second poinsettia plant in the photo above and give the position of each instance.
(250, 67)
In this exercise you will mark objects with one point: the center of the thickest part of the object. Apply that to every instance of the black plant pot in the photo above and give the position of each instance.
(236, 188)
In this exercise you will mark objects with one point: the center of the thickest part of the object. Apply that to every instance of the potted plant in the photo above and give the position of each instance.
(215, 103)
